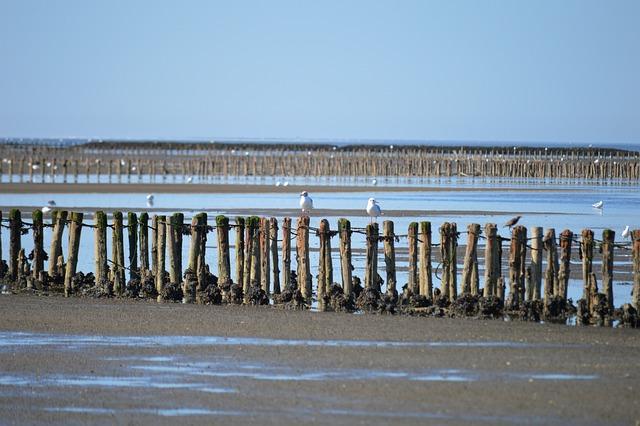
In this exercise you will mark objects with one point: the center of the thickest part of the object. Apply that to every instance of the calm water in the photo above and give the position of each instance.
(559, 206)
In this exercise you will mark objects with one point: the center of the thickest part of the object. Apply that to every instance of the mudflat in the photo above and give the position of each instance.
(105, 361)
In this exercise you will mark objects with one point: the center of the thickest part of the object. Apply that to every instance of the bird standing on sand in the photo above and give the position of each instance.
(511, 222)
(598, 205)
(306, 203)
(373, 210)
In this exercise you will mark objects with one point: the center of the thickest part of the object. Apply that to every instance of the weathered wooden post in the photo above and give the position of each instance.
(534, 290)
(38, 249)
(253, 225)
(286, 253)
(586, 248)
(566, 240)
(240, 250)
(154, 247)
(635, 299)
(144, 243)
(265, 273)
(448, 245)
(117, 253)
(491, 273)
(75, 229)
(161, 242)
(248, 251)
(390, 256)
(412, 239)
(15, 243)
(174, 236)
(551, 274)
(202, 265)
(608, 238)
(59, 220)
(224, 262)
(470, 280)
(132, 228)
(517, 266)
(273, 226)
(302, 256)
(371, 262)
(325, 267)
(100, 253)
(426, 281)
(346, 269)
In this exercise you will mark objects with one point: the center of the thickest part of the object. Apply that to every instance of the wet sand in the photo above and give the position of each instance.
(321, 368)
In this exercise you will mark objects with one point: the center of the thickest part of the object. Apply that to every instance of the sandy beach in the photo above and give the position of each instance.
(71, 361)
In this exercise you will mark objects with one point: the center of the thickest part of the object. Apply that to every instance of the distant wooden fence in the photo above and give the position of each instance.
(258, 279)
(129, 162)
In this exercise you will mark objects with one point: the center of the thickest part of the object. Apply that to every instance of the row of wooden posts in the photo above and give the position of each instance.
(208, 160)
(257, 262)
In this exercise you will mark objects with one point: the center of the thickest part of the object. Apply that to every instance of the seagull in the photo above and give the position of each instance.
(306, 203)
(150, 200)
(190, 179)
(51, 203)
(511, 222)
(373, 209)
(45, 209)
(278, 183)
(626, 233)
(598, 205)
(286, 183)
(374, 182)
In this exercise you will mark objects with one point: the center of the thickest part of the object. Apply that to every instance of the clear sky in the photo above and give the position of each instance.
(563, 71)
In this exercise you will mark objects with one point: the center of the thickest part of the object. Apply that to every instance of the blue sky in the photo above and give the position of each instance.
(553, 71)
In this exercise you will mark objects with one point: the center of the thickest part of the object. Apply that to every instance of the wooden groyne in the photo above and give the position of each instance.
(202, 162)
(258, 280)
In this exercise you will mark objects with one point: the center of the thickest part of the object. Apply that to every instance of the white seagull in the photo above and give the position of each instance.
(190, 179)
(626, 233)
(306, 203)
(150, 200)
(373, 209)
(598, 205)
(45, 209)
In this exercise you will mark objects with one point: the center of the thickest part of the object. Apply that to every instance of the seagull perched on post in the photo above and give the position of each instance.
(306, 203)
(373, 209)
(626, 232)
(511, 222)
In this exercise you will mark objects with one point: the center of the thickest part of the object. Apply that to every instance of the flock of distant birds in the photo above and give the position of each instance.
(373, 209)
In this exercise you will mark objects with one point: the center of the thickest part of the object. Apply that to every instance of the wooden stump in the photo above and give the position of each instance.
(535, 287)
(38, 249)
(117, 254)
(15, 242)
(132, 223)
(265, 253)
(239, 250)
(174, 238)
(566, 240)
(144, 243)
(286, 253)
(412, 240)
(224, 262)
(470, 281)
(371, 261)
(75, 230)
(551, 274)
(302, 256)
(635, 299)
(491, 258)
(426, 281)
(273, 236)
(346, 268)
(390, 256)
(608, 238)
(161, 241)
(100, 237)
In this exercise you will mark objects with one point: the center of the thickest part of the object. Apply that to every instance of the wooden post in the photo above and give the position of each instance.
(586, 248)
(551, 274)
(202, 265)
(302, 255)
(412, 239)
(174, 236)
(533, 291)
(635, 298)
(470, 281)
(273, 226)
(100, 253)
(426, 281)
(491, 274)
(608, 238)
(325, 269)
(239, 250)
(144, 243)
(38, 249)
(566, 239)
(517, 266)
(117, 254)
(265, 270)
(346, 269)
(224, 263)
(59, 220)
(390, 256)
(161, 241)
(371, 262)
(2, 272)
(75, 229)
(132, 224)
(448, 246)
(253, 242)
(15, 243)
(248, 251)
(286, 253)
(154, 246)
